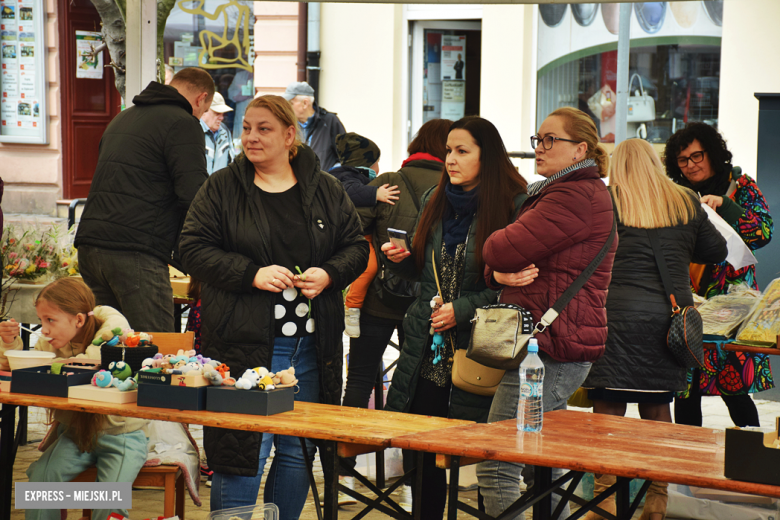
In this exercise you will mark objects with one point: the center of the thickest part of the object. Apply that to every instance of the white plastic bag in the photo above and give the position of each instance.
(739, 255)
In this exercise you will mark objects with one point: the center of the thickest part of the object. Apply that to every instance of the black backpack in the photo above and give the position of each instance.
(395, 292)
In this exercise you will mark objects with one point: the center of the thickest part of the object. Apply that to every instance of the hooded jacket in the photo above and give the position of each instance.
(321, 135)
(151, 164)
(560, 230)
(421, 175)
(224, 243)
(356, 184)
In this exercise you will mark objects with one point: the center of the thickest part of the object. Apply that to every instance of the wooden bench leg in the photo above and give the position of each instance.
(170, 490)
(180, 496)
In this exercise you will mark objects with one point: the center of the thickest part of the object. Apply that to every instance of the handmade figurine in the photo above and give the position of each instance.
(266, 383)
(285, 378)
(109, 339)
(120, 370)
(103, 379)
(126, 385)
(248, 380)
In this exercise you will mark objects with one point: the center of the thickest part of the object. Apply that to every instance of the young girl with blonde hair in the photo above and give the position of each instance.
(637, 366)
(70, 321)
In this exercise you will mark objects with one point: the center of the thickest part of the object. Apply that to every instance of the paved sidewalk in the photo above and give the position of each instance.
(149, 503)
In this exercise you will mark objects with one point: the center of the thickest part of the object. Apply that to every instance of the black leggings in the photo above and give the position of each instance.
(741, 407)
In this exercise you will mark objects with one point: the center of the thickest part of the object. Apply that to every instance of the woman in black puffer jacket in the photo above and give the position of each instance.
(251, 228)
(637, 366)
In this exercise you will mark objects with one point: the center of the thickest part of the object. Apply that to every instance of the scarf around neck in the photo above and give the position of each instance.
(536, 187)
(458, 217)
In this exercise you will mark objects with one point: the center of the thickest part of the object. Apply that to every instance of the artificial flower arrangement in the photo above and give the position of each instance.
(30, 255)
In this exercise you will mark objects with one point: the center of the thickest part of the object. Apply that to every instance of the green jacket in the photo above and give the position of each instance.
(473, 294)
(421, 175)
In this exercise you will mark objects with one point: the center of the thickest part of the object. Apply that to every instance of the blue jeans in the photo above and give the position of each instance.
(499, 482)
(287, 484)
(118, 459)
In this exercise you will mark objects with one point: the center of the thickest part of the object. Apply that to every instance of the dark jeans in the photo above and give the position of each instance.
(136, 284)
(365, 358)
(430, 399)
(365, 361)
(741, 407)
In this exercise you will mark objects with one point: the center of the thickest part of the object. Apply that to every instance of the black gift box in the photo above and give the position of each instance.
(751, 457)
(39, 380)
(170, 396)
(156, 378)
(254, 402)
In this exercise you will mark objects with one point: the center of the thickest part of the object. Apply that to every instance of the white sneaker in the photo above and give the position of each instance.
(352, 322)
(344, 499)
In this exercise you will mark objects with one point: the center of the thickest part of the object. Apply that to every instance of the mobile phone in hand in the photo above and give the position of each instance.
(399, 238)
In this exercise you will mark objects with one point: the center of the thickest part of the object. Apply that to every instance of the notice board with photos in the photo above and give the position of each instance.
(23, 114)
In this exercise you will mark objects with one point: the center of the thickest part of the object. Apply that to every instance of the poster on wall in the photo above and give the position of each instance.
(453, 99)
(432, 76)
(88, 66)
(23, 114)
(453, 57)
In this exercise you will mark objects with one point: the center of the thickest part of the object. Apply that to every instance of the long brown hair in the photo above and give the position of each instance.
(499, 184)
(582, 129)
(72, 296)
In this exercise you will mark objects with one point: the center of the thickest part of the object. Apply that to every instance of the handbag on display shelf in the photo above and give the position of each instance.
(500, 333)
(641, 107)
(686, 333)
(468, 375)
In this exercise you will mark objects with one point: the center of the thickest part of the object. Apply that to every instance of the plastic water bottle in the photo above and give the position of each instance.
(529, 406)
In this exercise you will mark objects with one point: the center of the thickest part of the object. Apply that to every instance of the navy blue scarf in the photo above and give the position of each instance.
(458, 217)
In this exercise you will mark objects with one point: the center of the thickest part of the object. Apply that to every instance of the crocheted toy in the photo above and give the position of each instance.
(248, 380)
(103, 379)
(266, 383)
(109, 339)
(126, 385)
(285, 378)
(120, 370)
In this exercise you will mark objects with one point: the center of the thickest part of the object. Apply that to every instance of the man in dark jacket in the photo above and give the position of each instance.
(320, 127)
(152, 162)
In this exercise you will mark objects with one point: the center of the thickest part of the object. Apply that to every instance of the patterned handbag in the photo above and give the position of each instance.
(685, 337)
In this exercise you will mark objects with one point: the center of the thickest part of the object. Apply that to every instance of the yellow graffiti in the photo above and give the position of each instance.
(211, 42)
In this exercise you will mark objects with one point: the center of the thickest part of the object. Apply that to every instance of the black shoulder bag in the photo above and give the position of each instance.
(395, 292)
(685, 337)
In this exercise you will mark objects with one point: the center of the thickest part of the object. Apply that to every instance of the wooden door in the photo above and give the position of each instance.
(88, 105)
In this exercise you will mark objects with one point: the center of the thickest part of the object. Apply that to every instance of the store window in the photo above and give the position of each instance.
(218, 36)
(446, 63)
(674, 65)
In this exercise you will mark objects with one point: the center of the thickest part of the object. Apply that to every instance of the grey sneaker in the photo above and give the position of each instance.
(352, 322)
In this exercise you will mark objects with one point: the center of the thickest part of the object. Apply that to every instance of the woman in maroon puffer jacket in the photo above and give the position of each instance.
(562, 226)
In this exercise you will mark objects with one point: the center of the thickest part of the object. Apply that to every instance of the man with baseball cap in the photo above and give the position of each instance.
(320, 127)
(219, 141)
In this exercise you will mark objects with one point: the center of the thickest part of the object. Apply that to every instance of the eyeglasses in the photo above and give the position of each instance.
(547, 141)
(695, 157)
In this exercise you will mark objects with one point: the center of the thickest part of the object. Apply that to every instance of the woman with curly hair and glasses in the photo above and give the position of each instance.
(697, 158)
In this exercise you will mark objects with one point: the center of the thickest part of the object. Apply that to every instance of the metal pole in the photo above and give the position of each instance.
(313, 48)
(141, 47)
(624, 37)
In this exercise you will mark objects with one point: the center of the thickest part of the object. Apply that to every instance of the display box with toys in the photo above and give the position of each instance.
(115, 385)
(753, 455)
(177, 381)
(52, 380)
(256, 392)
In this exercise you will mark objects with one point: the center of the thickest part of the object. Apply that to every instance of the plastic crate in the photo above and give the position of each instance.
(256, 512)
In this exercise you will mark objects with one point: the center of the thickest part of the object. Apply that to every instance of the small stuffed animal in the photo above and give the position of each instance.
(120, 370)
(261, 371)
(285, 378)
(266, 383)
(249, 380)
(192, 368)
(109, 339)
(102, 379)
(126, 385)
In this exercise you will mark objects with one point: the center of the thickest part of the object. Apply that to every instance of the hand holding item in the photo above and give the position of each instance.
(9, 330)
(519, 279)
(387, 193)
(712, 201)
(273, 278)
(394, 254)
(312, 281)
(443, 318)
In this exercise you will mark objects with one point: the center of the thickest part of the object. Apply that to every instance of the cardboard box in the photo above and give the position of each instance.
(254, 402)
(155, 378)
(189, 380)
(36, 380)
(751, 456)
(173, 397)
(104, 395)
(180, 286)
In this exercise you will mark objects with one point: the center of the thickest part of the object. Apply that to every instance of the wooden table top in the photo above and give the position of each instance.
(310, 420)
(597, 443)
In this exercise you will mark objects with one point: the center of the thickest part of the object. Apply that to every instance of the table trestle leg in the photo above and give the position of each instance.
(382, 496)
(312, 482)
(330, 470)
